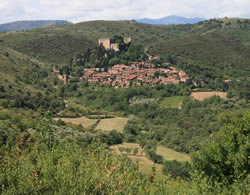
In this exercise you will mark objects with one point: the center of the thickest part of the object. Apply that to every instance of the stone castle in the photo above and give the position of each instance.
(108, 43)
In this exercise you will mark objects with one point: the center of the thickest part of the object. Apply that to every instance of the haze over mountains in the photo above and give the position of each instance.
(33, 24)
(27, 25)
(171, 20)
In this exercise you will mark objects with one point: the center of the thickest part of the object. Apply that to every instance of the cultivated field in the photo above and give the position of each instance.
(117, 123)
(203, 95)
(172, 102)
(169, 154)
(145, 165)
(84, 121)
(109, 124)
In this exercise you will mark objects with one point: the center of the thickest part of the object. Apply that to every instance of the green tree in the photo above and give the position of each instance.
(135, 151)
(176, 169)
(224, 162)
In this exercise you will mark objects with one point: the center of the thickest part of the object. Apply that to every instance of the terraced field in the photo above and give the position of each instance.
(169, 154)
(145, 165)
(109, 124)
(117, 123)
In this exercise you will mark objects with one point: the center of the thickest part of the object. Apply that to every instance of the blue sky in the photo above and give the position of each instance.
(84, 10)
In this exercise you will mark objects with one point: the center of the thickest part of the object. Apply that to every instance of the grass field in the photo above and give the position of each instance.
(169, 154)
(109, 124)
(84, 121)
(203, 95)
(172, 102)
(145, 165)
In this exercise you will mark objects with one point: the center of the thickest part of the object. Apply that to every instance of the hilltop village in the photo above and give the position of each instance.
(135, 74)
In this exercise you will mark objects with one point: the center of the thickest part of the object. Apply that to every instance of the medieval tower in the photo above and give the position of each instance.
(108, 43)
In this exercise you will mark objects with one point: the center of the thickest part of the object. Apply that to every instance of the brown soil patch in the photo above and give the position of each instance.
(85, 122)
(203, 95)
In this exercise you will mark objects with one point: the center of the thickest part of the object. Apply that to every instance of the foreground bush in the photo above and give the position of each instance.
(69, 169)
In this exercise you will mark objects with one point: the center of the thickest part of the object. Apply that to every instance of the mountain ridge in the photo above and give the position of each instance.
(30, 24)
(173, 19)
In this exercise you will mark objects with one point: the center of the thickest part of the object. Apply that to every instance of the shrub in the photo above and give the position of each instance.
(176, 169)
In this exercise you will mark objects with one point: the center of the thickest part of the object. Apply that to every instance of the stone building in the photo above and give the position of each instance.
(108, 43)
(115, 46)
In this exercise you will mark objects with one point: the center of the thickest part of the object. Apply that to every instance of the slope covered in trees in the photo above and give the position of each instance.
(38, 155)
(26, 82)
(214, 48)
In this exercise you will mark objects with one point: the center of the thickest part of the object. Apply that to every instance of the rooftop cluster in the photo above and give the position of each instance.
(137, 74)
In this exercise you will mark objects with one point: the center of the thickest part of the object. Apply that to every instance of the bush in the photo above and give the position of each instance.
(176, 169)
(114, 137)
(224, 162)
(155, 157)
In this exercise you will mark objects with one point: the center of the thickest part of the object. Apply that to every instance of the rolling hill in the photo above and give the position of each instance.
(215, 48)
(27, 25)
(58, 44)
(19, 72)
(26, 82)
(220, 47)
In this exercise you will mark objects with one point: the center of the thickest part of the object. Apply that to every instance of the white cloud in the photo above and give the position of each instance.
(82, 10)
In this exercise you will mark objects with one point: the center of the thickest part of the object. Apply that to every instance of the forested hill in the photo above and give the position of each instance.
(27, 25)
(43, 90)
(214, 46)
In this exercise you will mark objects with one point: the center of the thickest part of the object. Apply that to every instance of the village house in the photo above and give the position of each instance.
(184, 77)
(137, 74)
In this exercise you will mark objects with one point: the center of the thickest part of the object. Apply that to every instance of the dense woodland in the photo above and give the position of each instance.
(43, 156)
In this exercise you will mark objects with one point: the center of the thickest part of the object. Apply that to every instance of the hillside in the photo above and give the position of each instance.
(171, 20)
(223, 44)
(99, 131)
(19, 71)
(206, 51)
(58, 44)
(26, 82)
(216, 48)
(27, 25)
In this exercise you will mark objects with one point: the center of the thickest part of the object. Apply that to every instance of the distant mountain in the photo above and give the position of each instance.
(27, 25)
(171, 20)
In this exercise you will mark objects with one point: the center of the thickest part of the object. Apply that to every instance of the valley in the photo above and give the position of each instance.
(150, 109)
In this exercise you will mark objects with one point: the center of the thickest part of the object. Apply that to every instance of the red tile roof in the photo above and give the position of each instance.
(132, 77)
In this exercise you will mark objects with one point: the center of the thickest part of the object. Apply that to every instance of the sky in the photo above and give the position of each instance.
(85, 10)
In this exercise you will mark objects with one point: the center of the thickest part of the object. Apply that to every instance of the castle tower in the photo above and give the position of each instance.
(106, 42)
